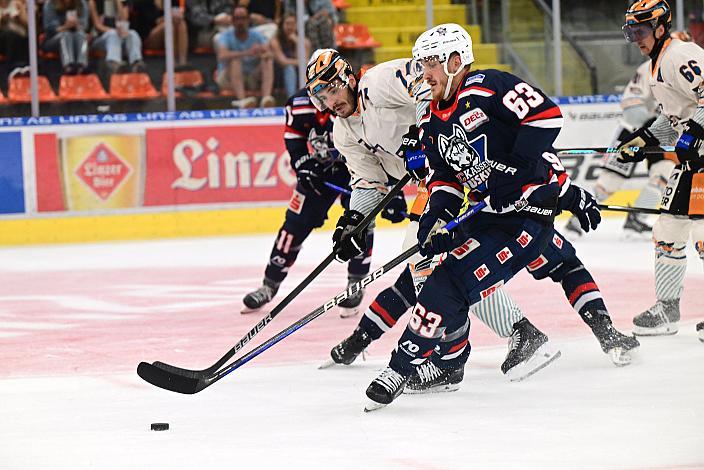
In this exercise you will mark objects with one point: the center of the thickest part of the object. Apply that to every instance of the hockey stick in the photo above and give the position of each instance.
(337, 188)
(637, 210)
(287, 300)
(190, 385)
(598, 151)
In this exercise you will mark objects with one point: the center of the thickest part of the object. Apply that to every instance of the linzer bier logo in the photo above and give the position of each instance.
(103, 171)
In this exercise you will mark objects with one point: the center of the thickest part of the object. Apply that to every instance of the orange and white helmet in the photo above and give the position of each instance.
(644, 16)
(325, 68)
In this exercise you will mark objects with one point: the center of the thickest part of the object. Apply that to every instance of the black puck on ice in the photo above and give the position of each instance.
(160, 426)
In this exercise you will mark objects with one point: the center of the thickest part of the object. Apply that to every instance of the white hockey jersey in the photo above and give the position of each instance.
(637, 91)
(370, 138)
(677, 80)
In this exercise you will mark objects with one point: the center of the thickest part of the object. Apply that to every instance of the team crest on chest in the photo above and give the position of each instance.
(458, 152)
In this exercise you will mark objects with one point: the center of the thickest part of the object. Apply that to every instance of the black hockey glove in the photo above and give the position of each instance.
(310, 173)
(396, 210)
(689, 145)
(344, 245)
(582, 205)
(432, 238)
(631, 150)
(412, 153)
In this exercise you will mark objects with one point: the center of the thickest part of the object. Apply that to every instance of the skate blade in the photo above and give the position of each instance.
(348, 312)
(246, 310)
(327, 364)
(665, 330)
(543, 357)
(438, 389)
(373, 406)
(620, 357)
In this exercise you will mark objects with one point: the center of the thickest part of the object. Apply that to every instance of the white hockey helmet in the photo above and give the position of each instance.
(440, 42)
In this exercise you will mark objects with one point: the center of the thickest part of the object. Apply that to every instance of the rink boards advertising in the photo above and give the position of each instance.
(190, 173)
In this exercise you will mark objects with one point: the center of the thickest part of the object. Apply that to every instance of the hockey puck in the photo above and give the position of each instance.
(160, 426)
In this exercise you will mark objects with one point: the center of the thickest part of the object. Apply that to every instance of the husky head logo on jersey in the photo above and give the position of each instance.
(323, 149)
(456, 150)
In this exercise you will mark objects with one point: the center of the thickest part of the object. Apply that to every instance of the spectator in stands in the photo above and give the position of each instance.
(245, 62)
(320, 17)
(264, 15)
(147, 18)
(207, 19)
(13, 32)
(65, 26)
(285, 48)
(111, 22)
(696, 26)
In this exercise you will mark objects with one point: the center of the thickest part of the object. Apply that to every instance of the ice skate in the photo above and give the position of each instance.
(614, 343)
(429, 378)
(260, 297)
(347, 351)
(528, 352)
(660, 319)
(635, 228)
(572, 229)
(351, 305)
(385, 389)
(700, 331)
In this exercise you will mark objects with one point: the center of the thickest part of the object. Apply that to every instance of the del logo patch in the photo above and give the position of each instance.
(473, 119)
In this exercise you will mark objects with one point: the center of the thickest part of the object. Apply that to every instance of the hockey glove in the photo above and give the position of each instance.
(395, 210)
(412, 153)
(432, 238)
(631, 150)
(344, 245)
(689, 145)
(310, 174)
(582, 205)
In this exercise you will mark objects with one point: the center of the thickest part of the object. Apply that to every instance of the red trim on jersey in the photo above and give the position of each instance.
(429, 353)
(561, 178)
(382, 313)
(553, 112)
(435, 184)
(479, 88)
(294, 131)
(457, 347)
(577, 293)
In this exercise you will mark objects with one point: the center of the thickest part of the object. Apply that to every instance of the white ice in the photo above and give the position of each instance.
(581, 412)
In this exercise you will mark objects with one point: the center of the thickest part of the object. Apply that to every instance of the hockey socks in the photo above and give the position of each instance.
(391, 303)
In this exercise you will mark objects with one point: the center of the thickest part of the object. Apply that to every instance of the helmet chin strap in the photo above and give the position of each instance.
(450, 77)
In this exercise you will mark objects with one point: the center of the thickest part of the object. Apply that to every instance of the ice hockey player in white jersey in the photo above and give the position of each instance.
(639, 109)
(677, 84)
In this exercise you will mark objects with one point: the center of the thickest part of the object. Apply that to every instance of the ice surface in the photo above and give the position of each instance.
(76, 320)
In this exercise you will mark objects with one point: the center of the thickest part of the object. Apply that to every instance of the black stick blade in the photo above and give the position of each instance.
(190, 373)
(167, 380)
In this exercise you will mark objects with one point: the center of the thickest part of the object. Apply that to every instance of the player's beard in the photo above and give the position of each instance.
(346, 108)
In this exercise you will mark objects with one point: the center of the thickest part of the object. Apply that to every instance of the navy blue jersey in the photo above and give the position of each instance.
(495, 138)
(306, 125)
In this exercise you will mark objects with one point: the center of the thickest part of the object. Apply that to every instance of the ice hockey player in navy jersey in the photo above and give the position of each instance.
(492, 133)
(308, 138)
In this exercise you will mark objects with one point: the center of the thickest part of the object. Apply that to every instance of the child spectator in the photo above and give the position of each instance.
(285, 48)
(245, 62)
(13, 32)
(111, 22)
(65, 26)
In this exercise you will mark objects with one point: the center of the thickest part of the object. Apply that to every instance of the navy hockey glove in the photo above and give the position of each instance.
(432, 238)
(582, 205)
(396, 209)
(689, 145)
(640, 139)
(412, 153)
(344, 245)
(310, 173)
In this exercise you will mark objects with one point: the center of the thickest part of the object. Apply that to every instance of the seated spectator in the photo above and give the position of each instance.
(285, 48)
(320, 18)
(110, 20)
(65, 25)
(147, 18)
(13, 32)
(245, 62)
(206, 19)
(696, 26)
(264, 15)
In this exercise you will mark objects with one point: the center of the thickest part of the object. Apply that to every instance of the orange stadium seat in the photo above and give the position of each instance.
(187, 79)
(132, 86)
(19, 92)
(81, 88)
(341, 4)
(354, 36)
